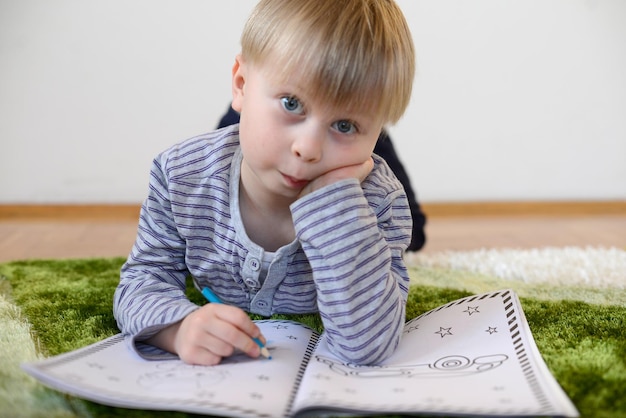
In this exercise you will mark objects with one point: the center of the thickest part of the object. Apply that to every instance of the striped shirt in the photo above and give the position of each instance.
(345, 263)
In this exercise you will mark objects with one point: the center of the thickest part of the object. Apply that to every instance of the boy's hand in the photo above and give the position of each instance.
(357, 171)
(209, 334)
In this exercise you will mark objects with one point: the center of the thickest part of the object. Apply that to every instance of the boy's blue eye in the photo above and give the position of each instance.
(292, 104)
(345, 127)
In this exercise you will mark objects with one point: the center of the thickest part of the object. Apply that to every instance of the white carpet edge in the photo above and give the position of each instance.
(592, 267)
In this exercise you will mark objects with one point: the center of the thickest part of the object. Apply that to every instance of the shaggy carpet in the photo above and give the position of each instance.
(574, 300)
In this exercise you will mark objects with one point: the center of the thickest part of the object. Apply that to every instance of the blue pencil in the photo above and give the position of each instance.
(212, 297)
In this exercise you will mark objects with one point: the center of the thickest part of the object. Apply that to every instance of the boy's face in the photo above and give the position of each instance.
(288, 139)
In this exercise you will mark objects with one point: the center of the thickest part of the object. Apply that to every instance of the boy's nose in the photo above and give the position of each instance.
(308, 147)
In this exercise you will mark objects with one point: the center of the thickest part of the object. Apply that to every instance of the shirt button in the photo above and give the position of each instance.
(254, 264)
(261, 304)
(252, 283)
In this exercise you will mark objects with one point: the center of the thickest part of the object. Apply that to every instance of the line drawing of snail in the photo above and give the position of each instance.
(454, 365)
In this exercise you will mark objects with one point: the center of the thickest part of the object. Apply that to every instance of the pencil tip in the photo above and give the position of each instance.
(265, 352)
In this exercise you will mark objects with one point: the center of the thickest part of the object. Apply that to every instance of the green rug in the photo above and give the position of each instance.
(49, 307)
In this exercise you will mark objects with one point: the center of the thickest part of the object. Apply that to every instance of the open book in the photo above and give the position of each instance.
(473, 356)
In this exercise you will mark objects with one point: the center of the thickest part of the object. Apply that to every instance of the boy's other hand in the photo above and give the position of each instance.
(209, 334)
(357, 171)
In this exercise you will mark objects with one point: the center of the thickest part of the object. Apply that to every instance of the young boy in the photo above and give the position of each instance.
(289, 211)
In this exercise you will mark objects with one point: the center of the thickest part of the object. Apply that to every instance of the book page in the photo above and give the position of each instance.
(471, 356)
(110, 373)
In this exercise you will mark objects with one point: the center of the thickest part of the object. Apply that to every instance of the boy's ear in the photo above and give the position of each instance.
(238, 83)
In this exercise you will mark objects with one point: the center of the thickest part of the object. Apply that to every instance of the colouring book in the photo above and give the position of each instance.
(472, 356)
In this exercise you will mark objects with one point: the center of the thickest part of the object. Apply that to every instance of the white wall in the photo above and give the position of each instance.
(514, 100)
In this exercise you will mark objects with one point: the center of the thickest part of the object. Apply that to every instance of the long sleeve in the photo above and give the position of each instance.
(184, 230)
(151, 292)
(354, 237)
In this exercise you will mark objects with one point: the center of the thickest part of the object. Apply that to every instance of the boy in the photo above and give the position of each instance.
(289, 211)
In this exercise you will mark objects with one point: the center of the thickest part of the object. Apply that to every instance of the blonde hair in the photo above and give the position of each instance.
(352, 53)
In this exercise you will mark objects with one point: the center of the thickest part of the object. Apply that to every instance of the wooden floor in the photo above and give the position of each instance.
(22, 239)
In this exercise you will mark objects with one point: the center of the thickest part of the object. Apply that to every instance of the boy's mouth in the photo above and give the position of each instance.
(294, 182)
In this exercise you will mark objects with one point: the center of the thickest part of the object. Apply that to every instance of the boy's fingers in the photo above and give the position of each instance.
(358, 171)
(240, 340)
(235, 328)
(239, 319)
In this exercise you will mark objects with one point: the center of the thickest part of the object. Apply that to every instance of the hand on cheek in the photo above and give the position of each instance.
(357, 171)
(213, 332)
